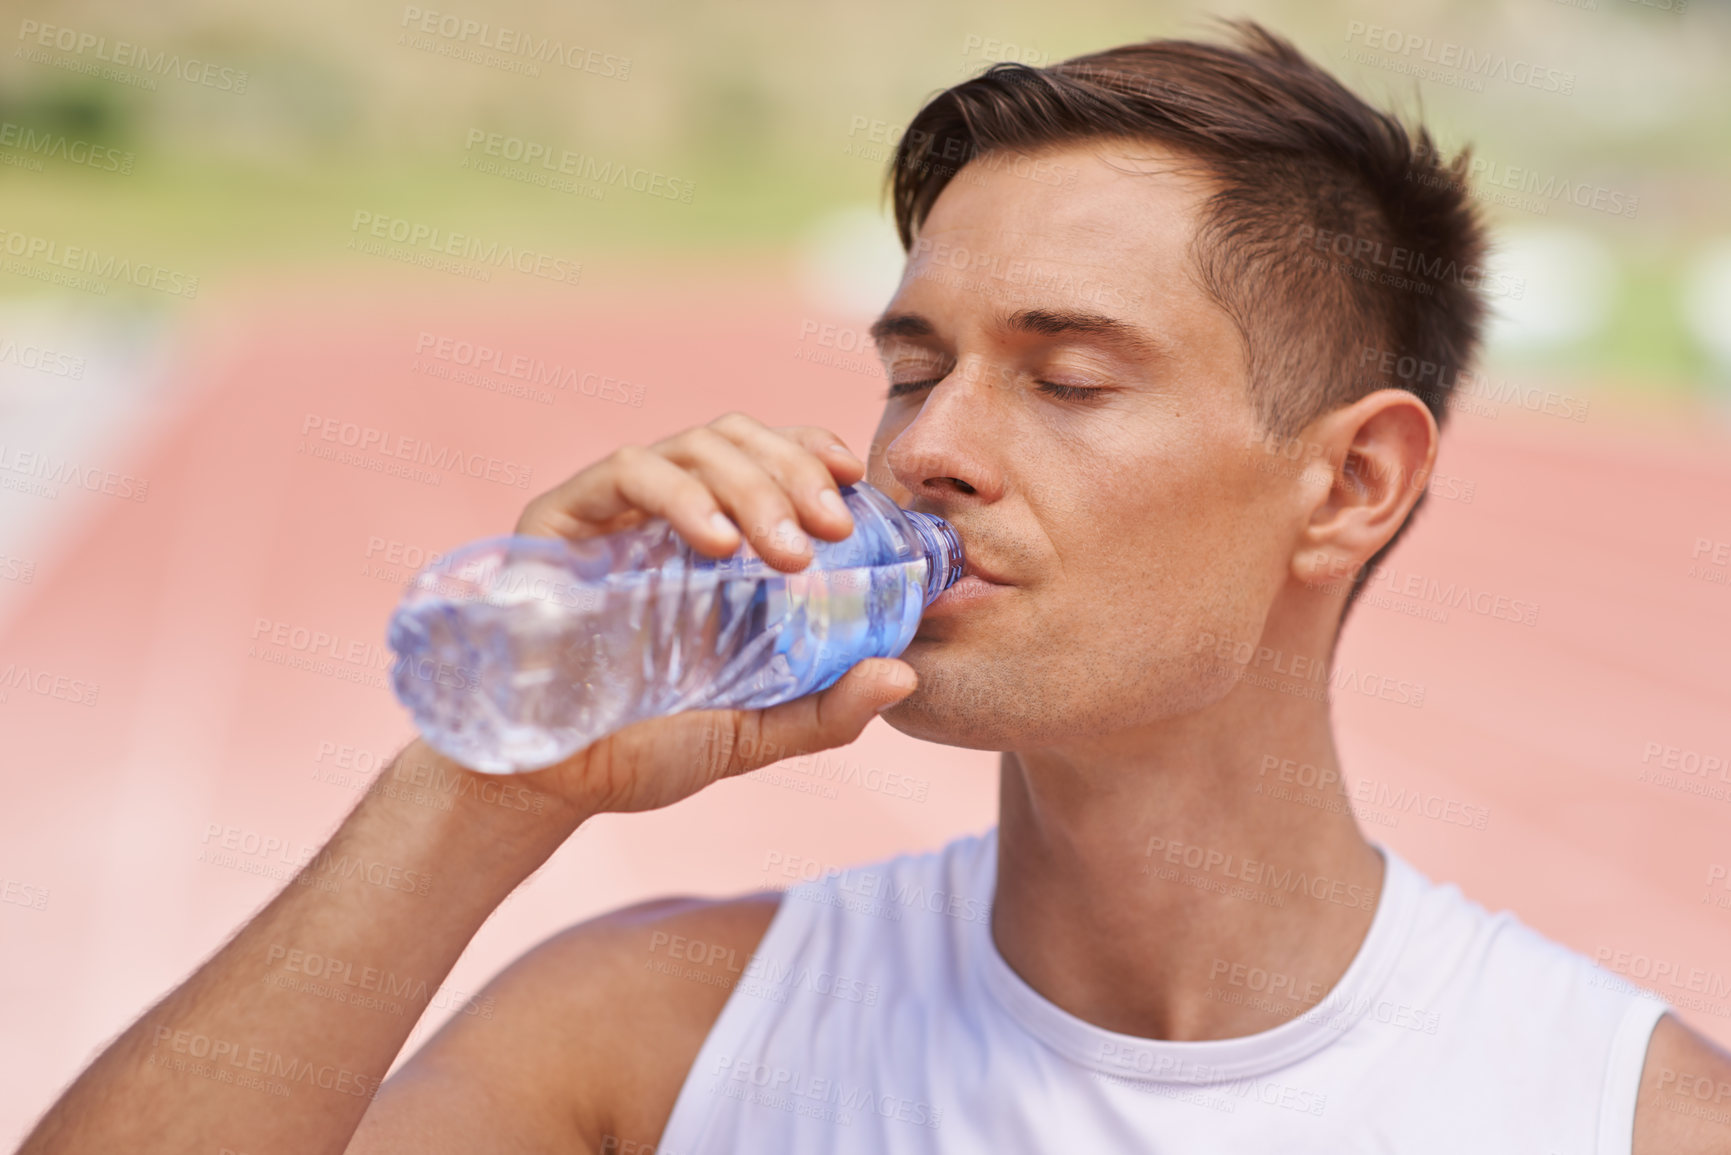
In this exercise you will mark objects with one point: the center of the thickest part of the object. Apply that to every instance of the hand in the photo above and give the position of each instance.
(710, 482)
(717, 484)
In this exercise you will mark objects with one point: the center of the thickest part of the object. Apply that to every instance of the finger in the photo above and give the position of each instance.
(820, 721)
(759, 505)
(802, 475)
(843, 464)
(633, 481)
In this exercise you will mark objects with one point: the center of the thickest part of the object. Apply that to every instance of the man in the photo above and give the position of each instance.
(1128, 362)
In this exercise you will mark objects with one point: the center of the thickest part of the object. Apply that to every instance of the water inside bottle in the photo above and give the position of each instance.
(546, 663)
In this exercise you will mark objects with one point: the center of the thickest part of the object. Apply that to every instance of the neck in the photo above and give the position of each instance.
(1155, 882)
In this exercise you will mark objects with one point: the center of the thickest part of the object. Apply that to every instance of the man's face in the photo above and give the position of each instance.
(1067, 396)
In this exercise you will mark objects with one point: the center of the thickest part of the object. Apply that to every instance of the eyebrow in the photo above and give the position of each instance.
(1129, 338)
(892, 325)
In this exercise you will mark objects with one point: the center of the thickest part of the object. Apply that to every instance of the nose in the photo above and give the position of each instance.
(949, 451)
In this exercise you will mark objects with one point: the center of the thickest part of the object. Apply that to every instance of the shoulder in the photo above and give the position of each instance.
(1685, 1101)
(1496, 962)
(1592, 1026)
(637, 992)
(587, 1036)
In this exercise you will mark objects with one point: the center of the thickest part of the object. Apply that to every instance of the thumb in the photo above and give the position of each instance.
(832, 718)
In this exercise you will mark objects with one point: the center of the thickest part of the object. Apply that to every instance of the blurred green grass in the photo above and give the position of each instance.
(216, 215)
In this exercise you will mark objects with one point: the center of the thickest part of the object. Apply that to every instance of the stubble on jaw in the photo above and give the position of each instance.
(1001, 703)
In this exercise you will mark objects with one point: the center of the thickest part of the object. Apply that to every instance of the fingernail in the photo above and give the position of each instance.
(789, 536)
(832, 503)
(838, 447)
(720, 523)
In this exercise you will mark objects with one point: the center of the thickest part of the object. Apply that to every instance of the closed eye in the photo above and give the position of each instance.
(1070, 392)
(1051, 389)
(903, 388)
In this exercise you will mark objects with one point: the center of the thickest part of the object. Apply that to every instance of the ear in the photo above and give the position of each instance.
(1375, 458)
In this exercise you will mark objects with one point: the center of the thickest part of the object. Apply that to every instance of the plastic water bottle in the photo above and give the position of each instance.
(513, 653)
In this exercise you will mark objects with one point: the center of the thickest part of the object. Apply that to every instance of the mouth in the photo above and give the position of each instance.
(976, 585)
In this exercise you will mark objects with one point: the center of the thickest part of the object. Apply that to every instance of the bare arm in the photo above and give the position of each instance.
(588, 1041)
(246, 1056)
(238, 1058)
(1685, 1102)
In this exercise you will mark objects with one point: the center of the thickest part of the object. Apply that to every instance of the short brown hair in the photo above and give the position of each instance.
(1300, 164)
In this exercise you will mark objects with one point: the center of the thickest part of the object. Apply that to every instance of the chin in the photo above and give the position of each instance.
(954, 704)
(996, 704)
(973, 705)
(919, 720)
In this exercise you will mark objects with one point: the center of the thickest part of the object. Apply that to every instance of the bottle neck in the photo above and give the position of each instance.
(942, 548)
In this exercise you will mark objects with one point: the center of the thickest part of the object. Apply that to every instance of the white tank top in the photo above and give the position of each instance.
(878, 1016)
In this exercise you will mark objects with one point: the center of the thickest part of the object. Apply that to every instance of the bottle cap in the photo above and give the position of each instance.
(942, 546)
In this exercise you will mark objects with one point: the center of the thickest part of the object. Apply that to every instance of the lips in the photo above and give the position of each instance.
(978, 579)
(972, 567)
(969, 571)
(977, 585)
